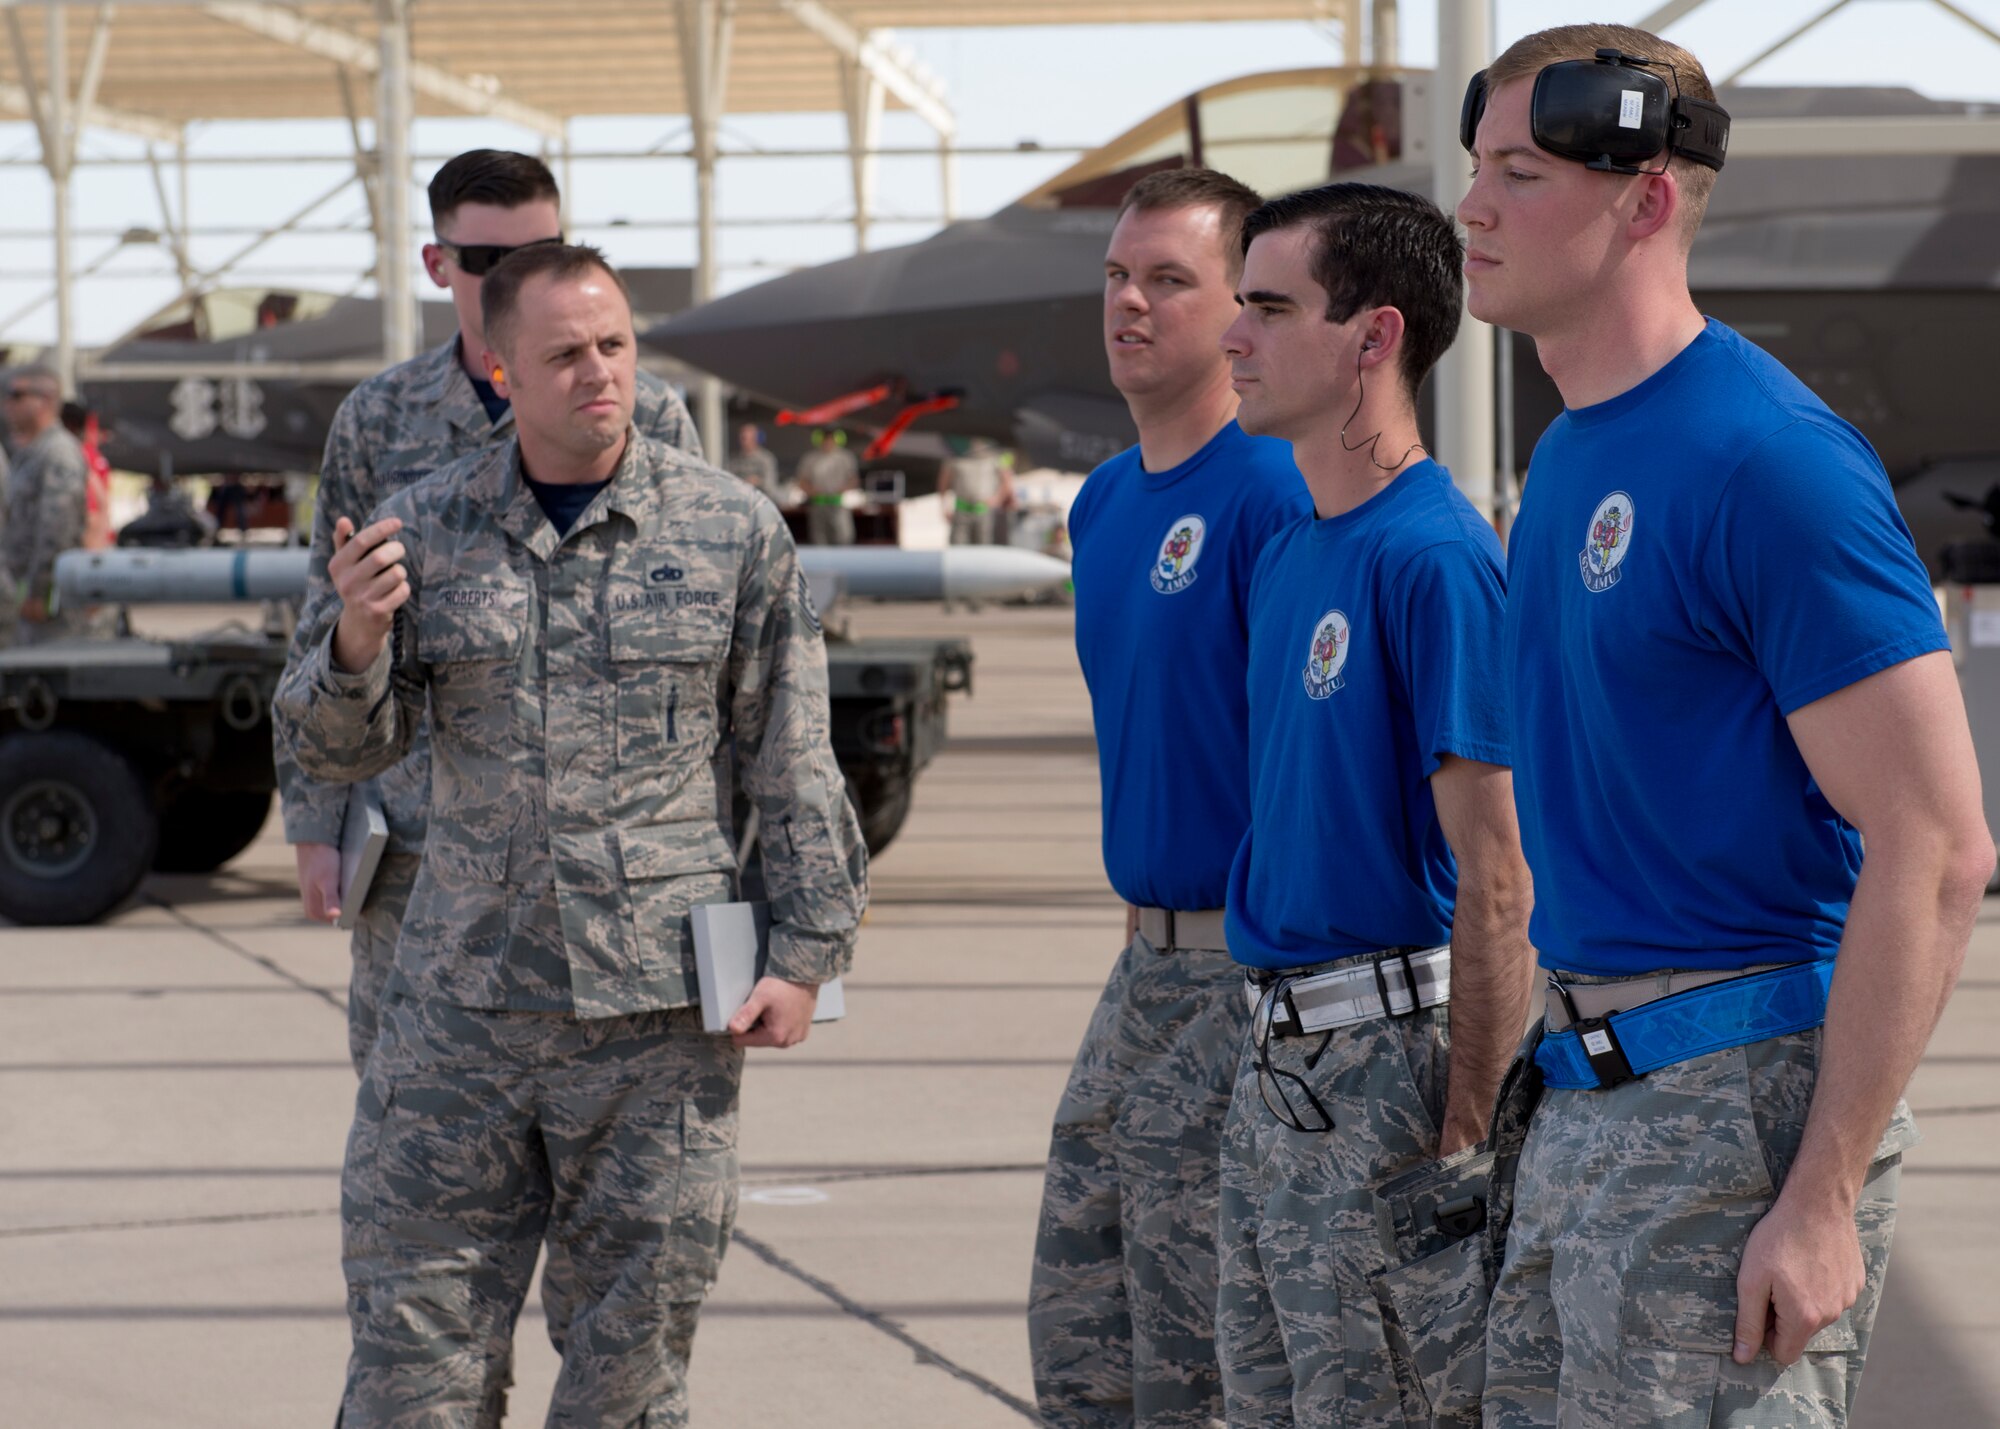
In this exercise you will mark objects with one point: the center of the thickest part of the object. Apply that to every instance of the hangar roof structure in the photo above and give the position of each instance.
(151, 67)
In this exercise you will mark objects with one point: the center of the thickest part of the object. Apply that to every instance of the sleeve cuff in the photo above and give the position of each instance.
(805, 957)
(367, 685)
(308, 824)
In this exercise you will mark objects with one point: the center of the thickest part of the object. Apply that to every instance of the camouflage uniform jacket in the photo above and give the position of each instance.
(47, 492)
(580, 688)
(397, 426)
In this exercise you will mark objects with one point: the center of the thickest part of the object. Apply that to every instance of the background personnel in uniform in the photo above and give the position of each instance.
(1121, 1308)
(390, 432)
(47, 492)
(1727, 670)
(589, 615)
(825, 475)
(753, 461)
(975, 485)
(1381, 877)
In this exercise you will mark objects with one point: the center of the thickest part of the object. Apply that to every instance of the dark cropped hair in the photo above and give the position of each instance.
(1199, 188)
(1377, 247)
(491, 176)
(500, 294)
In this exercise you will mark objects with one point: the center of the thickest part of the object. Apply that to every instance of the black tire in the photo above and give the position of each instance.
(883, 803)
(200, 832)
(77, 828)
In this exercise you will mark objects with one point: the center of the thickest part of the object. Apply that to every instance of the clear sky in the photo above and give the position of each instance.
(1067, 85)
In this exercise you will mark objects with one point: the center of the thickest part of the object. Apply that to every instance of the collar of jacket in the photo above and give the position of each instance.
(439, 381)
(632, 493)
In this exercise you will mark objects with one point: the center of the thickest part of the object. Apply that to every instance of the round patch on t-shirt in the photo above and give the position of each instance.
(1173, 570)
(1326, 656)
(1607, 541)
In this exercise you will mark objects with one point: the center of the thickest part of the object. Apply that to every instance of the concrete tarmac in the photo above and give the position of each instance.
(177, 1092)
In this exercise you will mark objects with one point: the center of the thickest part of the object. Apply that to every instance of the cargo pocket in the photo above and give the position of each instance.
(665, 668)
(1372, 1389)
(1434, 1301)
(1676, 1333)
(669, 869)
(705, 1201)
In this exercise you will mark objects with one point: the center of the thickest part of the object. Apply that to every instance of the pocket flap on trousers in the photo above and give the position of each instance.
(1698, 1312)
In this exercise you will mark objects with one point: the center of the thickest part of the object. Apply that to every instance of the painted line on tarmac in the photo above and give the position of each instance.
(1987, 1110)
(168, 1223)
(924, 1353)
(336, 1003)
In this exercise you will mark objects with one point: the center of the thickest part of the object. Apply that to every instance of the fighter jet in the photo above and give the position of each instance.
(217, 384)
(1874, 278)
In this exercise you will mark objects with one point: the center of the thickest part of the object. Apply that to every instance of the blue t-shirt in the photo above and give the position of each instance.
(563, 502)
(1695, 559)
(1162, 564)
(1374, 652)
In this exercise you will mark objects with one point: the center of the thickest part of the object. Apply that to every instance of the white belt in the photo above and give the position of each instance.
(1168, 929)
(1381, 986)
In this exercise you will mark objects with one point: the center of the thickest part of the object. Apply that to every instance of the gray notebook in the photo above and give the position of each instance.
(731, 941)
(364, 833)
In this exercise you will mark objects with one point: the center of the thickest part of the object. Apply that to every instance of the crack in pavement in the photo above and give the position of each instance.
(338, 1004)
(877, 1321)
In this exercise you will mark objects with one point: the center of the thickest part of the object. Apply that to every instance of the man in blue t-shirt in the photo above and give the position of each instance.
(1121, 1308)
(1727, 667)
(1381, 876)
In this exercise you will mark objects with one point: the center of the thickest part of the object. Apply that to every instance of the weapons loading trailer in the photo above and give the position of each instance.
(128, 755)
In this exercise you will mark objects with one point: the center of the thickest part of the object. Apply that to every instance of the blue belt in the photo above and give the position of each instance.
(1600, 1052)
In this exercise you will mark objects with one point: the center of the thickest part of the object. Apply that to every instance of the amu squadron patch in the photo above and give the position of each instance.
(1173, 568)
(1606, 542)
(1326, 656)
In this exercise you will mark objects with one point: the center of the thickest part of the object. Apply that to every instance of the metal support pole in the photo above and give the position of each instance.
(1383, 39)
(567, 162)
(58, 152)
(392, 146)
(705, 33)
(864, 97)
(948, 177)
(1463, 382)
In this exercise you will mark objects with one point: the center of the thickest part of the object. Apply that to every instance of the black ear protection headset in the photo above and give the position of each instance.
(1612, 114)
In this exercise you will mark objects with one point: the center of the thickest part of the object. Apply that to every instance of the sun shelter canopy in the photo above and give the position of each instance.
(167, 64)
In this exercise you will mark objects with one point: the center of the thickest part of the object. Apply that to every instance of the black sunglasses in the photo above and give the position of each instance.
(479, 259)
(1315, 1119)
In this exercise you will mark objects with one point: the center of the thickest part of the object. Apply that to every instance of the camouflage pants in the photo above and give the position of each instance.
(374, 948)
(1616, 1304)
(1297, 1326)
(829, 526)
(1122, 1302)
(477, 1133)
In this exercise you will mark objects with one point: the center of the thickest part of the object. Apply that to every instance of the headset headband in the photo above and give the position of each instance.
(1612, 114)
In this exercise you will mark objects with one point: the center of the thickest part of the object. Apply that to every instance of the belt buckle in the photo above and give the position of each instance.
(1402, 955)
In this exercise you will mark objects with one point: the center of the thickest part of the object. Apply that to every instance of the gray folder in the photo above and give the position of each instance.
(364, 833)
(731, 942)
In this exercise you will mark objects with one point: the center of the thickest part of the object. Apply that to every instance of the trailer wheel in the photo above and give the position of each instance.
(882, 801)
(77, 828)
(200, 832)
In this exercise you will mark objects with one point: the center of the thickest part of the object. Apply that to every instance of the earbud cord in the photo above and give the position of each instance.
(1360, 394)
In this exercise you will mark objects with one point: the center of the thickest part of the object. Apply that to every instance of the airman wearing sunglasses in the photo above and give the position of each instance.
(391, 430)
(1381, 876)
(1726, 669)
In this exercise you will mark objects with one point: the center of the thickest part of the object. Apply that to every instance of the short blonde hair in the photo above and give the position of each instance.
(1531, 54)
